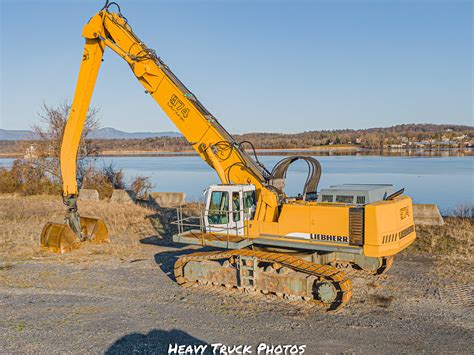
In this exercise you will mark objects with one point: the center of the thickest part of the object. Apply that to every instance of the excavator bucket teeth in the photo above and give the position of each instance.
(59, 238)
(95, 230)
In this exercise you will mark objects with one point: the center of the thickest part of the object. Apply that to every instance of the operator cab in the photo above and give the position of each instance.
(228, 206)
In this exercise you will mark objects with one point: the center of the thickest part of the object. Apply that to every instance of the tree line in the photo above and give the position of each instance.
(372, 138)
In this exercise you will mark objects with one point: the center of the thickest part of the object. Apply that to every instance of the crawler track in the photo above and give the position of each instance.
(277, 263)
(355, 271)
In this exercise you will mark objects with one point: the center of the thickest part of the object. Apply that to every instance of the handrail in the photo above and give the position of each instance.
(229, 228)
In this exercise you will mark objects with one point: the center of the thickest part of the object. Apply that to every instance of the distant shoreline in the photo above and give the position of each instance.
(320, 150)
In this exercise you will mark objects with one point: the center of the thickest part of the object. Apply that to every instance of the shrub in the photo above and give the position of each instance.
(114, 176)
(27, 178)
(141, 186)
(104, 180)
(8, 183)
(95, 179)
(464, 210)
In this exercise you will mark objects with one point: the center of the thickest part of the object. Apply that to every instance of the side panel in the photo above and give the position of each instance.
(294, 218)
(389, 227)
(316, 223)
(329, 220)
(382, 229)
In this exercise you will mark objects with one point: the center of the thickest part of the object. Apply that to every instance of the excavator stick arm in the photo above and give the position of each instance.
(91, 60)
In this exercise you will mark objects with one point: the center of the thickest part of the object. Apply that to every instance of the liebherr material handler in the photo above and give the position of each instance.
(291, 247)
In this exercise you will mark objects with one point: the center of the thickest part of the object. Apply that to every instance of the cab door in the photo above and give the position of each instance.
(217, 211)
(237, 223)
(224, 213)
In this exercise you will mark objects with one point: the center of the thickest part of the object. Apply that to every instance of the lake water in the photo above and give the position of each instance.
(446, 181)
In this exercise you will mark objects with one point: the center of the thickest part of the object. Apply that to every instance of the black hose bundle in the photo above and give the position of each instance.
(314, 172)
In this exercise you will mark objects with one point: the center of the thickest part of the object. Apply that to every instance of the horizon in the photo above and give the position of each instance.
(258, 67)
(259, 132)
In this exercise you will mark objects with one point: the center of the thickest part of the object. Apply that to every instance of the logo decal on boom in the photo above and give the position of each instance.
(178, 106)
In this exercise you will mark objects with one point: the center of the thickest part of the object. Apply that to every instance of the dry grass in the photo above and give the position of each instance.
(23, 217)
(452, 245)
(454, 239)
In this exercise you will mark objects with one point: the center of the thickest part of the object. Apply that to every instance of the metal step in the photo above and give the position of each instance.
(247, 267)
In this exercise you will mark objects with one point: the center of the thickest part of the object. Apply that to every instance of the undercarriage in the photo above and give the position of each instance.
(268, 273)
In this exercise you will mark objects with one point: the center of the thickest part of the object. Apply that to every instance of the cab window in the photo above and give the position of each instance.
(236, 206)
(218, 207)
(249, 203)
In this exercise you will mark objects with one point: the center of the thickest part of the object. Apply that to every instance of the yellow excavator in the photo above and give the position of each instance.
(266, 241)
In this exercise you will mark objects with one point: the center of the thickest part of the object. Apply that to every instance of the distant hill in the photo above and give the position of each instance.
(102, 133)
(112, 133)
(16, 135)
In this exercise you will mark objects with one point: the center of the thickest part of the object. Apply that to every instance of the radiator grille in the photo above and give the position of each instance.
(356, 226)
(390, 238)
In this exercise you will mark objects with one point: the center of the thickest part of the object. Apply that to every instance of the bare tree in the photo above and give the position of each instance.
(50, 134)
(141, 186)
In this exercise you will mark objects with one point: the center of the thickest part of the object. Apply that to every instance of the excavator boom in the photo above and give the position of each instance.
(201, 129)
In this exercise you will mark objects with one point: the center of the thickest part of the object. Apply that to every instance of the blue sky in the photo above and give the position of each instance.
(274, 66)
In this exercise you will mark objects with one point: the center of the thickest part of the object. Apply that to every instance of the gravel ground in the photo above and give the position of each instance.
(120, 305)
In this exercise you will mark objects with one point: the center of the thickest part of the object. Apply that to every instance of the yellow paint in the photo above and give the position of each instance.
(388, 218)
(215, 146)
